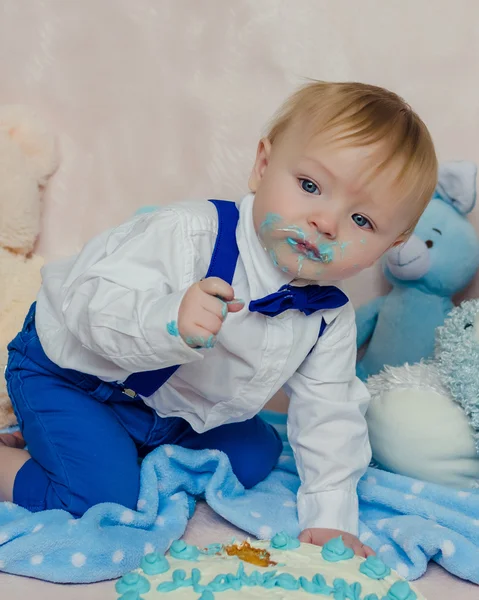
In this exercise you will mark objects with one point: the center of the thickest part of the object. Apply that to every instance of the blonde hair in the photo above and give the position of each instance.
(365, 114)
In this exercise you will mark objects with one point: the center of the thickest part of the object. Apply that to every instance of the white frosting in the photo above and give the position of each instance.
(304, 561)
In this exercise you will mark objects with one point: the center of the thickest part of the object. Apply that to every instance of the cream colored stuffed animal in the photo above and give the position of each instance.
(27, 158)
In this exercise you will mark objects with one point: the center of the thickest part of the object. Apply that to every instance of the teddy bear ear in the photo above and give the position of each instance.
(457, 184)
(32, 135)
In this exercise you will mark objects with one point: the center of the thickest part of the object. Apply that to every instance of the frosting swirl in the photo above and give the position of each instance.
(335, 550)
(374, 568)
(400, 591)
(183, 551)
(283, 541)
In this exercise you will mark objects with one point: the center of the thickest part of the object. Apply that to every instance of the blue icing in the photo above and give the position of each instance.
(371, 597)
(335, 550)
(345, 591)
(207, 595)
(400, 591)
(183, 551)
(130, 595)
(283, 541)
(178, 581)
(287, 582)
(316, 586)
(211, 549)
(154, 564)
(374, 568)
(132, 582)
(270, 221)
(172, 328)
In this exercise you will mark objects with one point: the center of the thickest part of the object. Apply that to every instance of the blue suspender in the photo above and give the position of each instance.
(222, 265)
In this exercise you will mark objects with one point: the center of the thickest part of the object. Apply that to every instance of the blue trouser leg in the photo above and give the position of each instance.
(85, 436)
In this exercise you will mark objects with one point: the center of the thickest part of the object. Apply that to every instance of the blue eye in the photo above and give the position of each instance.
(310, 187)
(362, 221)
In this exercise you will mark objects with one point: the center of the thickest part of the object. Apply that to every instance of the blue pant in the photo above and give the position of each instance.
(85, 436)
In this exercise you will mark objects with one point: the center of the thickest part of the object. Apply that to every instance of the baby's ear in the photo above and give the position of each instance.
(33, 137)
(261, 162)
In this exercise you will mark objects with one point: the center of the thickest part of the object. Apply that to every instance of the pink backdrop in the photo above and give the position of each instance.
(157, 100)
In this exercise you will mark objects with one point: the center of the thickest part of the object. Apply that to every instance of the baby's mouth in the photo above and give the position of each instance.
(308, 250)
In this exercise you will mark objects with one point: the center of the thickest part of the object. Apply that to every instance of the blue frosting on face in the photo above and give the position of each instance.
(283, 541)
(183, 551)
(132, 582)
(335, 550)
(154, 564)
(374, 568)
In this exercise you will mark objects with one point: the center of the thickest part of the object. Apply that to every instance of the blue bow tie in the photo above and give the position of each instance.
(307, 299)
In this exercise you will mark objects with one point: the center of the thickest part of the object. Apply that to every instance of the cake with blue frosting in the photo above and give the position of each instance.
(280, 568)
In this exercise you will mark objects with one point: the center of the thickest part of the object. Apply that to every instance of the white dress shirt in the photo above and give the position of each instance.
(105, 312)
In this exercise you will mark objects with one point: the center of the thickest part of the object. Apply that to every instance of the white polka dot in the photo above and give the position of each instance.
(475, 522)
(409, 497)
(283, 458)
(448, 548)
(417, 487)
(127, 517)
(2, 564)
(396, 533)
(463, 494)
(372, 480)
(36, 559)
(265, 532)
(4, 538)
(364, 537)
(402, 570)
(141, 504)
(290, 504)
(256, 515)
(160, 521)
(37, 527)
(438, 526)
(118, 556)
(175, 497)
(214, 452)
(78, 559)
(148, 549)
(386, 548)
(219, 494)
(381, 523)
(169, 451)
(8, 505)
(73, 521)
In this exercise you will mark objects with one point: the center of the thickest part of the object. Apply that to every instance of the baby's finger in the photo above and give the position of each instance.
(201, 339)
(358, 548)
(235, 305)
(214, 286)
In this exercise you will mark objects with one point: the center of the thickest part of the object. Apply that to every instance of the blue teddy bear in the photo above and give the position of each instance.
(437, 261)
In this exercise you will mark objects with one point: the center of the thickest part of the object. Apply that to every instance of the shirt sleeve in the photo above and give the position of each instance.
(121, 297)
(327, 429)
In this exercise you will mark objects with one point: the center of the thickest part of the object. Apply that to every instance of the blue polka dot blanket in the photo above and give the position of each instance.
(408, 522)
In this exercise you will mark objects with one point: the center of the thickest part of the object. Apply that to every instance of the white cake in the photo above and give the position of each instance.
(283, 568)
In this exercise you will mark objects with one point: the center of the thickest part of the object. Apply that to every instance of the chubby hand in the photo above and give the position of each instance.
(203, 309)
(319, 537)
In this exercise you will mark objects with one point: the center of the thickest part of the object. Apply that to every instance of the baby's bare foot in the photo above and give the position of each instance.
(12, 440)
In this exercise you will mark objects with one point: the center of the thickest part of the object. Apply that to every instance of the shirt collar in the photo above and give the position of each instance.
(263, 277)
